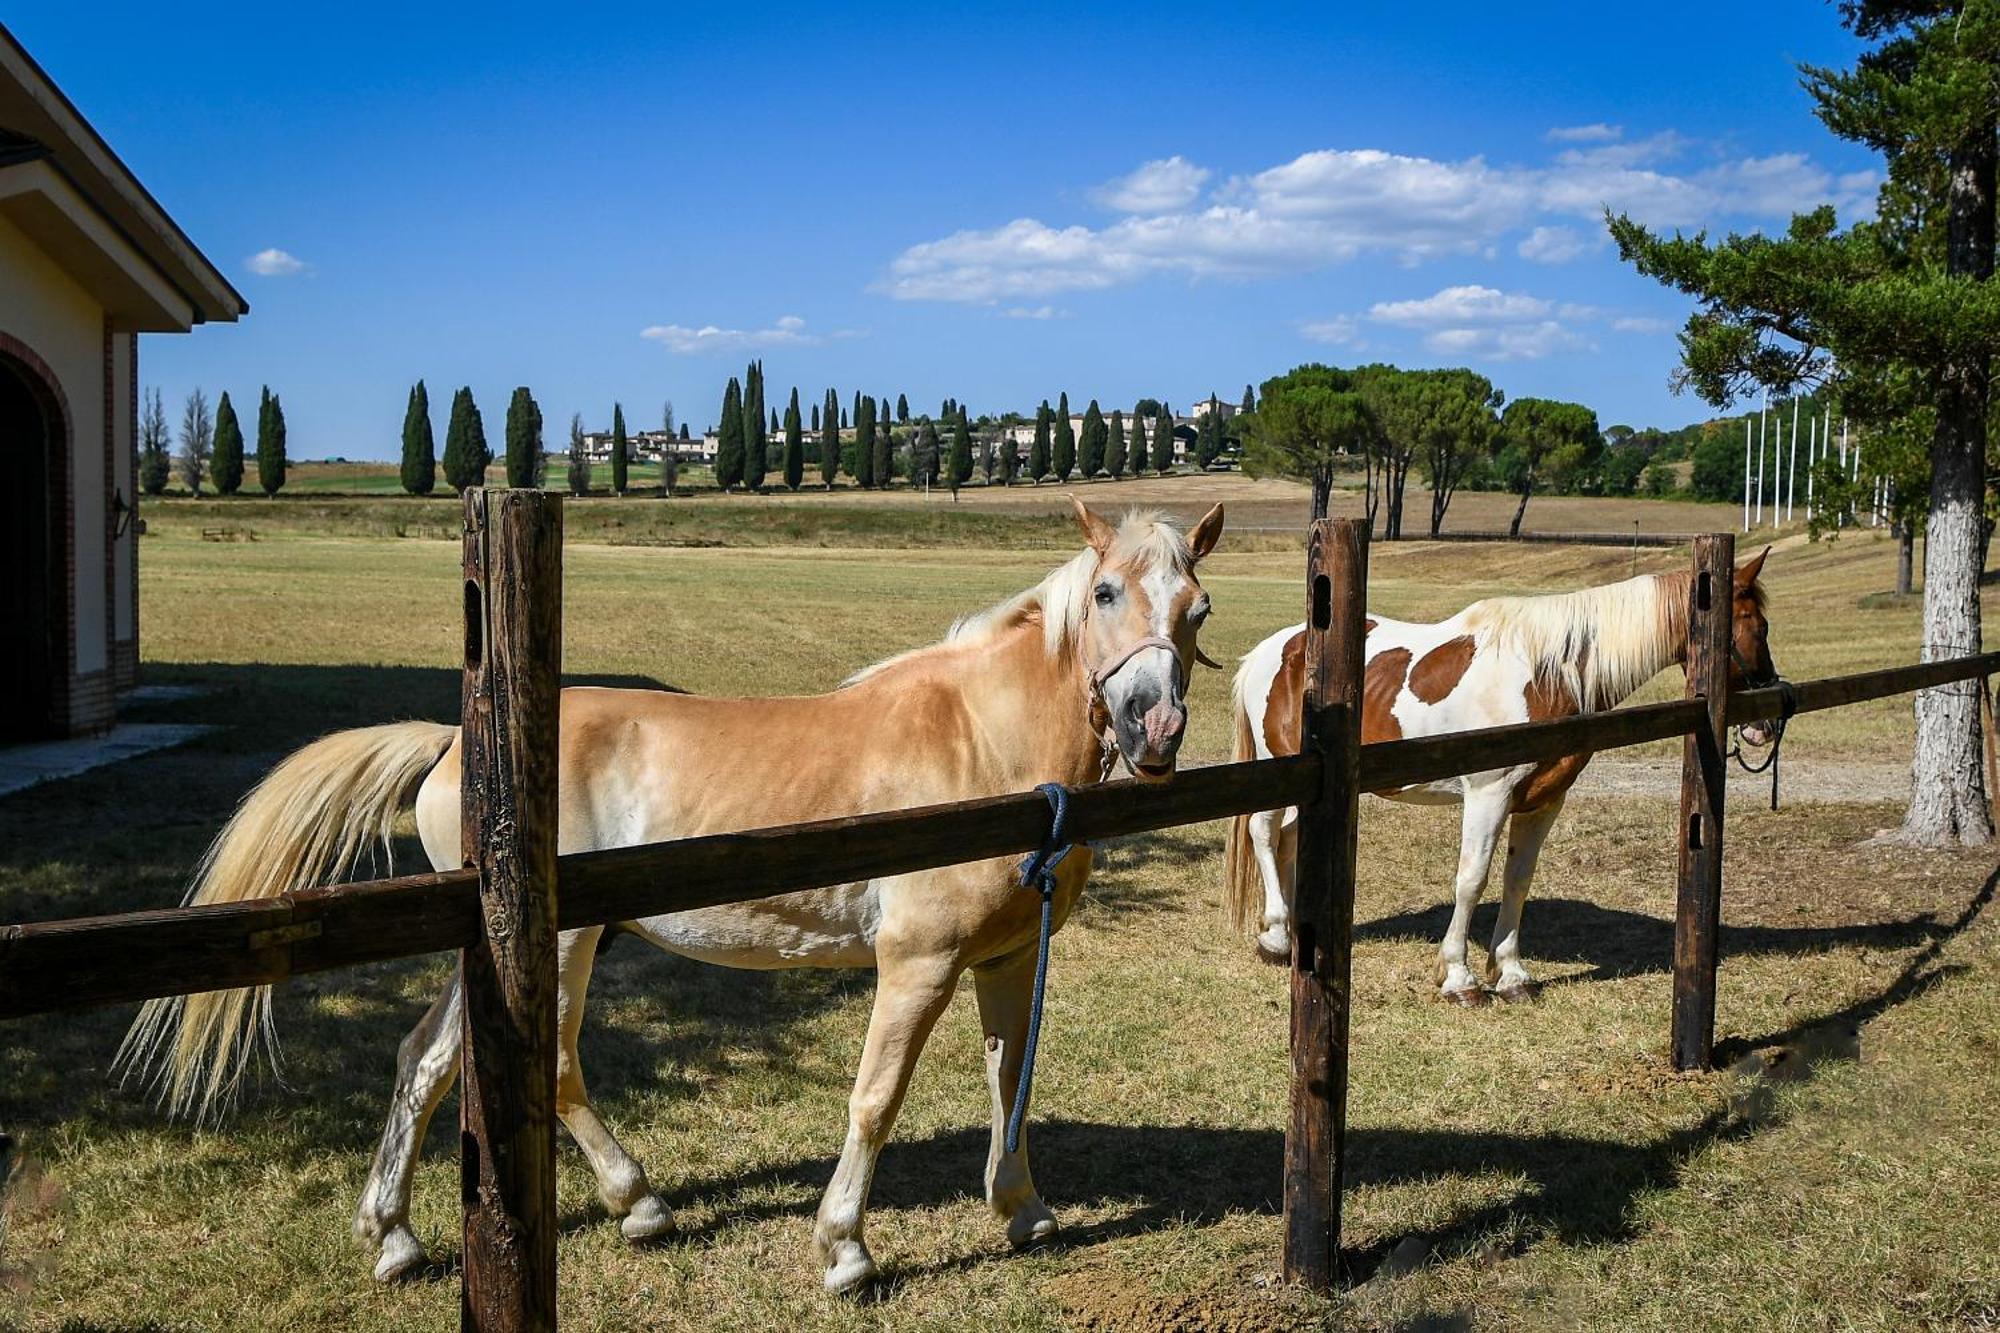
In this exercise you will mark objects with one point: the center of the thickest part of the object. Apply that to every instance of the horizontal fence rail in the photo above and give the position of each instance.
(92, 961)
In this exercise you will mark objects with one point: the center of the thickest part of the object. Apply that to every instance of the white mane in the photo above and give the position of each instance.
(1603, 643)
(1062, 600)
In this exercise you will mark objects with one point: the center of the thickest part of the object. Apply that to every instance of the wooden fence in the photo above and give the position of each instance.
(503, 910)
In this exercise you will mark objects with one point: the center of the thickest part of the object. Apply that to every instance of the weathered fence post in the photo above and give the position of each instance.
(513, 658)
(1323, 900)
(1698, 908)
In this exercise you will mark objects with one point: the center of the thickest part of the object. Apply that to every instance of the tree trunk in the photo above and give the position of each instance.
(1947, 789)
(1527, 489)
(1906, 542)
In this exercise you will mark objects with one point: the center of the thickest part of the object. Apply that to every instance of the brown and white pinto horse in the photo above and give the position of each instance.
(1088, 666)
(1503, 660)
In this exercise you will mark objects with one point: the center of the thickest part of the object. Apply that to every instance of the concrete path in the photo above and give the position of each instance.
(24, 766)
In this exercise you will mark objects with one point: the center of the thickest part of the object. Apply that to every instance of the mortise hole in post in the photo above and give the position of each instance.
(1303, 956)
(1694, 831)
(468, 1168)
(1322, 601)
(1703, 594)
(475, 627)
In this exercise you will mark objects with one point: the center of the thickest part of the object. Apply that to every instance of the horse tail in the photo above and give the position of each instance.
(303, 825)
(1242, 881)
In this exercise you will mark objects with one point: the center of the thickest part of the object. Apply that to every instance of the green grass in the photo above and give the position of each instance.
(1527, 1167)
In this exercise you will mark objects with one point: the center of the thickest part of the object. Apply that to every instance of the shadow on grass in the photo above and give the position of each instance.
(123, 837)
(1619, 943)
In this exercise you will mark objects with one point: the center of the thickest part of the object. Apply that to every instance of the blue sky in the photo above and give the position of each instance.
(624, 203)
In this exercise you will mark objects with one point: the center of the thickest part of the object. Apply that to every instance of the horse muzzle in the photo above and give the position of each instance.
(1149, 737)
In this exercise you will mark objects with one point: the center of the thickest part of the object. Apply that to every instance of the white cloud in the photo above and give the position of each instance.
(1159, 186)
(1507, 342)
(1460, 305)
(1033, 312)
(1640, 324)
(1555, 245)
(786, 331)
(1331, 206)
(276, 263)
(1340, 331)
(1595, 133)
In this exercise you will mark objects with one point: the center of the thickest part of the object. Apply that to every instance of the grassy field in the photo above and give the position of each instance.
(1269, 508)
(1530, 1167)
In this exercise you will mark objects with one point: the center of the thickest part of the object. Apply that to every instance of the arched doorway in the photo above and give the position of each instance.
(31, 429)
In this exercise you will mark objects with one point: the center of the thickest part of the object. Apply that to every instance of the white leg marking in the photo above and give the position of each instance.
(1525, 835)
(1479, 830)
(426, 1066)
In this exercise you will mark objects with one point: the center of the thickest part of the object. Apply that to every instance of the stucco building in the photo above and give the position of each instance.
(88, 261)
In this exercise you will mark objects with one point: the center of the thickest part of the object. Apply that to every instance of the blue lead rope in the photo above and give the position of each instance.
(1038, 872)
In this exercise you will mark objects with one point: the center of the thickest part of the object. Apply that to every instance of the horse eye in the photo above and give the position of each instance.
(1106, 594)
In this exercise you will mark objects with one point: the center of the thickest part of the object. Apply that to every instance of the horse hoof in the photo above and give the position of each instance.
(851, 1270)
(1469, 997)
(1272, 956)
(1032, 1226)
(1521, 992)
(1275, 946)
(402, 1254)
(648, 1220)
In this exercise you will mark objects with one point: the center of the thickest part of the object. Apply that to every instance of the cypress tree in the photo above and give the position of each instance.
(579, 466)
(960, 470)
(902, 409)
(621, 450)
(829, 439)
(1163, 440)
(1009, 462)
(684, 432)
(1114, 448)
(225, 467)
(271, 444)
(1038, 453)
(814, 428)
(1249, 401)
(729, 438)
(756, 440)
(775, 425)
(419, 445)
(885, 448)
(524, 440)
(1062, 456)
(1139, 455)
(795, 444)
(1090, 456)
(924, 454)
(461, 456)
(1208, 435)
(864, 441)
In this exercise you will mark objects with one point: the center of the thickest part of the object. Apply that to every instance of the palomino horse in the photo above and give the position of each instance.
(1503, 660)
(1088, 667)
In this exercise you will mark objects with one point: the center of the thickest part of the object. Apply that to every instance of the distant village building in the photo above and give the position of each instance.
(88, 261)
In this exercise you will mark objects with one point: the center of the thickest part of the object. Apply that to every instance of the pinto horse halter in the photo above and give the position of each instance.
(1788, 703)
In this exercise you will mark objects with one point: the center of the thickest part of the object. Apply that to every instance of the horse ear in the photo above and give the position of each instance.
(1747, 572)
(1095, 530)
(1206, 533)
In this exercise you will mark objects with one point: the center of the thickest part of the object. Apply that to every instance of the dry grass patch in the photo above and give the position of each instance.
(1528, 1167)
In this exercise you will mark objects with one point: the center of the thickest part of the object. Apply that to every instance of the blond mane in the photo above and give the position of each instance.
(1059, 602)
(1602, 643)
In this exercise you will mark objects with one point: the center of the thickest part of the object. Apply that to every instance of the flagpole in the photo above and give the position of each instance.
(1763, 434)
